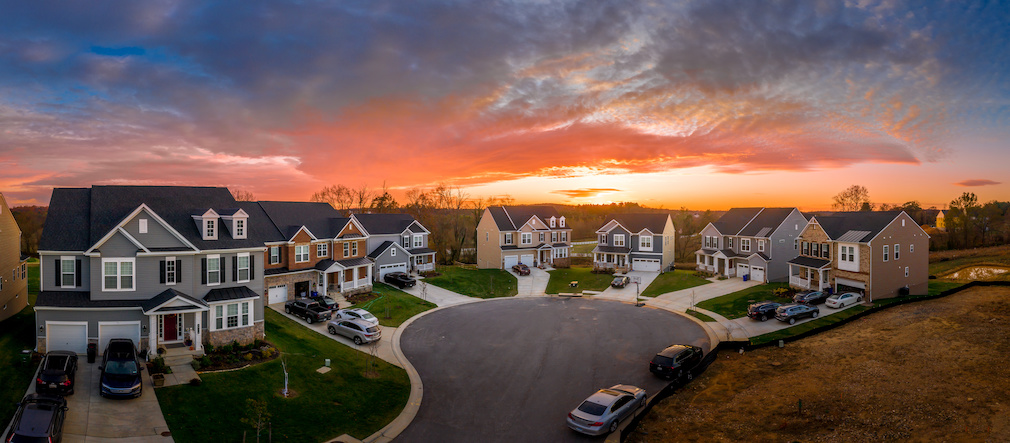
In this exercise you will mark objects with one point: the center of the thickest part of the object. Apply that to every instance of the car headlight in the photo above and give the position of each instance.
(136, 386)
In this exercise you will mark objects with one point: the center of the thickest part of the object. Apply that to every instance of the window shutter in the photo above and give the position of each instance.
(203, 270)
(178, 271)
(59, 275)
(234, 268)
(252, 267)
(78, 273)
(161, 271)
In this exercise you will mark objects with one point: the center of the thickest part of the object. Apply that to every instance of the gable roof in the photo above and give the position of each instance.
(511, 218)
(768, 218)
(655, 222)
(734, 220)
(383, 247)
(289, 217)
(385, 224)
(857, 227)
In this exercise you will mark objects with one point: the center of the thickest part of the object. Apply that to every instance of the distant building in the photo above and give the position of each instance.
(941, 221)
(13, 270)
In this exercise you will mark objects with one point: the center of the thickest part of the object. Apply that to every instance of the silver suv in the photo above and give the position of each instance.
(357, 330)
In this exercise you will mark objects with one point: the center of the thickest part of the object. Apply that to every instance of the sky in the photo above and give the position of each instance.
(700, 104)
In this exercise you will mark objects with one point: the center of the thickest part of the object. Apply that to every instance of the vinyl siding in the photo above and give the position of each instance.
(489, 253)
(48, 273)
(92, 316)
(157, 235)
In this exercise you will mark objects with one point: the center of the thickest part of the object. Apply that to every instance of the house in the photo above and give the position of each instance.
(161, 265)
(636, 242)
(396, 243)
(313, 249)
(878, 254)
(13, 270)
(941, 221)
(753, 242)
(532, 235)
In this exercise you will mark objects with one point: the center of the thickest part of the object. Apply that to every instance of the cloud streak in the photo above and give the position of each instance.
(585, 192)
(977, 182)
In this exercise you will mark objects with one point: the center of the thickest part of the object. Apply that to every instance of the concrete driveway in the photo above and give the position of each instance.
(681, 300)
(508, 370)
(628, 293)
(754, 328)
(534, 284)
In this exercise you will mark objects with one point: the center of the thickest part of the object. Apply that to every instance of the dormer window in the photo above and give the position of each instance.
(561, 222)
(207, 224)
(209, 229)
(238, 227)
(553, 222)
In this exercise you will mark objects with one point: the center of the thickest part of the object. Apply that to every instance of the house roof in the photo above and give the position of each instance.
(353, 262)
(421, 251)
(810, 262)
(288, 217)
(655, 222)
(856, 227)
(385, 224)
(734, 220)
(74, 299)
(382, 248)
(225, 294)
(612, 249)
(764, 222)
(511, 218)
(167, 295)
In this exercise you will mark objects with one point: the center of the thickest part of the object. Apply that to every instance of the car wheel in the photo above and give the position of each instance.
(792, 321)
(357, 340)
(613, 426)
(287, 310)
(308, 320)
(764, 318)
(814, 315)
(331, 330)
(690, 376)
(859, 300)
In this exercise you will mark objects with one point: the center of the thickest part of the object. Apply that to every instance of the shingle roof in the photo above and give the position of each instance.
(385, 224)
(612, 249)
(810, 262)
(735, 220)
(769, 218)
(66, 226)
(379, 250)
(421, 251)
(224, 294)
(655, 222)
(288, 217)
(511, 218)
(838, 224)
(72, 299)
(167, 295)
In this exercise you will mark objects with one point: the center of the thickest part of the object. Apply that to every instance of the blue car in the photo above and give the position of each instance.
(121, 370)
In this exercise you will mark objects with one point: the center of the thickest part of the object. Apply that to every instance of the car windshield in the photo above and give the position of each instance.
(368, 316)
(592, 408)
(662, 360)
(114, 367)
(618, 279)
(833, 297)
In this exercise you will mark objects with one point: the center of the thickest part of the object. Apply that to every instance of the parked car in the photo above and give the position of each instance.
(677, 361)
(603, 411)
(356, 314)
(399, 279)
(792, 312)
(308, 310)
(59, 369)
(843, 300)
(356, 330)
(521, 269)
(811, 297)
(620, 282)
(121, 370)
(39, 418)
(326, 302)
(762, 310)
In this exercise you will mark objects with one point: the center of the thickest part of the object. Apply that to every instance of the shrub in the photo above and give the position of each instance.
(258, 343)
(158, 366)
(247, 356)
(226, 349)
(196, 364)
(205, 361)
(209, 349)
(195, 382)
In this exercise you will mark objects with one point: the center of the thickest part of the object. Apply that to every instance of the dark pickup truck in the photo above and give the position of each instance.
(309, 310)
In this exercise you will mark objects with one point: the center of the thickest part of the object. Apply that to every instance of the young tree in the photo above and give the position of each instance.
(852, 199)
(256, 416)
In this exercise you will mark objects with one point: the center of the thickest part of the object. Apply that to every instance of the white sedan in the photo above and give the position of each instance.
(356, 314)
(843, 300)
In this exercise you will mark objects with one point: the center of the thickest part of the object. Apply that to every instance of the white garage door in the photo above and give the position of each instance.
(645, 264)
(385, 269)
(742, 270)
(67, 337)
(850, 283)
(277, 294)
(110, 330)
(511, 260)
(757, 273)
(526, 259)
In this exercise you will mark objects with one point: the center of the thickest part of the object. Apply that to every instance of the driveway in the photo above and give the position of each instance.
(754, 328)
(534, 284)
(437, 295)
(628, 293)
(511, 369)
(384, 347)
(681, 300)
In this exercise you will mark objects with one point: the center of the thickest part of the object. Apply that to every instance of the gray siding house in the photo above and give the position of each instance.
(396, 243)
(636, 242)
(165, 266)
(753, 242)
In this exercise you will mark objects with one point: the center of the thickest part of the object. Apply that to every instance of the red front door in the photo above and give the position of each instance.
(170, 327)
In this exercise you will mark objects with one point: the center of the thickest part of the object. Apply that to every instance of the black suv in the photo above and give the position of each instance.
(676, 361)
(39, 418)
(811, 297)
(399, 279)
(762, 310)
(791, 313)
(121, 370)
(59, 369)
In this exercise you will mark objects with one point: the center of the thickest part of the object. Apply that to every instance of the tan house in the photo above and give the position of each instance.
(13, 270)
(879, 254)
(532, 235)
(636, 242)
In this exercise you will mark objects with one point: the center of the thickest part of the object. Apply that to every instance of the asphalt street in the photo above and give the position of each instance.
(511, 370)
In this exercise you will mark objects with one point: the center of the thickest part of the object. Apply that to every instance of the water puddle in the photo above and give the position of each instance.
(978, 273)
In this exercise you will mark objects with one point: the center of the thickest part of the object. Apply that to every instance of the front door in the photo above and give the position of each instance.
(170, 327)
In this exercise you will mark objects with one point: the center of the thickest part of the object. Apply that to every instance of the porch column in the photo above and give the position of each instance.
(325, 283)
(198, 339)
(152, 334)
(368, 272)
(354, 272)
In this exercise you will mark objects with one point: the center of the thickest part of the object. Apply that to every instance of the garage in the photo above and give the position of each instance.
(511, 260)
(118, 329)
(277, 294)
(67, 336)
(645, 264)
(757, 273)
(385, 269)
(847, 285)
(526, 259)
(742, 269)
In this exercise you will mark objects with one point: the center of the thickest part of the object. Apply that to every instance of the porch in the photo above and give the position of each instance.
(611, 257)
(809, 273)
(717, 262)
(175, 319)
(346, 276)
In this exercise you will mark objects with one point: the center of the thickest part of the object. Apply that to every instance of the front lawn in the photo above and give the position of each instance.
(583, 249)
(321, 407)
(480, 283)
(561, 278)
(392, 306)
(673, 281)
(734, 305)
(699, 315)
(16, 334)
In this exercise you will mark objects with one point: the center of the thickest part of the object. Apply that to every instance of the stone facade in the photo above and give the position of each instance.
(242, 335)
(289, 280)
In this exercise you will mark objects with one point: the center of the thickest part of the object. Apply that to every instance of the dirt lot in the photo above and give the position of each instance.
(930, 371)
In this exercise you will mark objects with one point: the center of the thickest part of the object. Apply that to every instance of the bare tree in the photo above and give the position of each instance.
(362, 197)
(854, 198)
(243, 195)
(384, 202)
(338, 196)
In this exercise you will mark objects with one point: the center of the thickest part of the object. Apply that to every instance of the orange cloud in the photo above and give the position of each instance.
(977, 182)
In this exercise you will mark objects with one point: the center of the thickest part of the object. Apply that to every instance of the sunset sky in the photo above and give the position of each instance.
(705, 104)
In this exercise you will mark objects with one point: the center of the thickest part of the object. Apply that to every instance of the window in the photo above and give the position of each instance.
(897, 250)
(275, 255)
(645, 242)
(729, 242)
(243, 267)
(170, 271)
(542, 237)
(508, 238)
(117, 274)
(761, 246)
(526, 238)
(554, 237)
(347, 249)
(848, 254)
(707, 242)
(142, 225)
(354, 248)
(301, 253)
(209, 229)
(232, 319)
(392, 252)
(245, 313)
(562, 222)
(911, 248)
(406, 240)
(487, 237)
(232, 315)
(825, 250)
(553, 222)
(239, 228)
(886, 253)
(618, 239)
(745, 244)
(796, 244)
(564, 236)
(213, 270)
(603, 239)
(419, 241)
(68, 272)
(322, 250)
(906, 271)
(806, 248)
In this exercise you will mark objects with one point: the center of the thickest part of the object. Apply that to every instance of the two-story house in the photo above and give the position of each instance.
(161, 265)
(753, 242)
(532, 235)
(636, 242)
(313, 250)
(13, 270)
(878, 254)
(396, 243)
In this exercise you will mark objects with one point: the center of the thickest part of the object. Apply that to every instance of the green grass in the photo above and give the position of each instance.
(937, 286)
(401, 305)
(957, 259)
(476, 282)
(561, 278)
(16, 334)
(699, 315)
(806, 326)
(583, 249)
(673, 281)
(324, 405)
(734, 305)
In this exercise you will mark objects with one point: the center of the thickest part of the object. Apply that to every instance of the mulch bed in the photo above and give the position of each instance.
(361, 298)
(232, 357)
